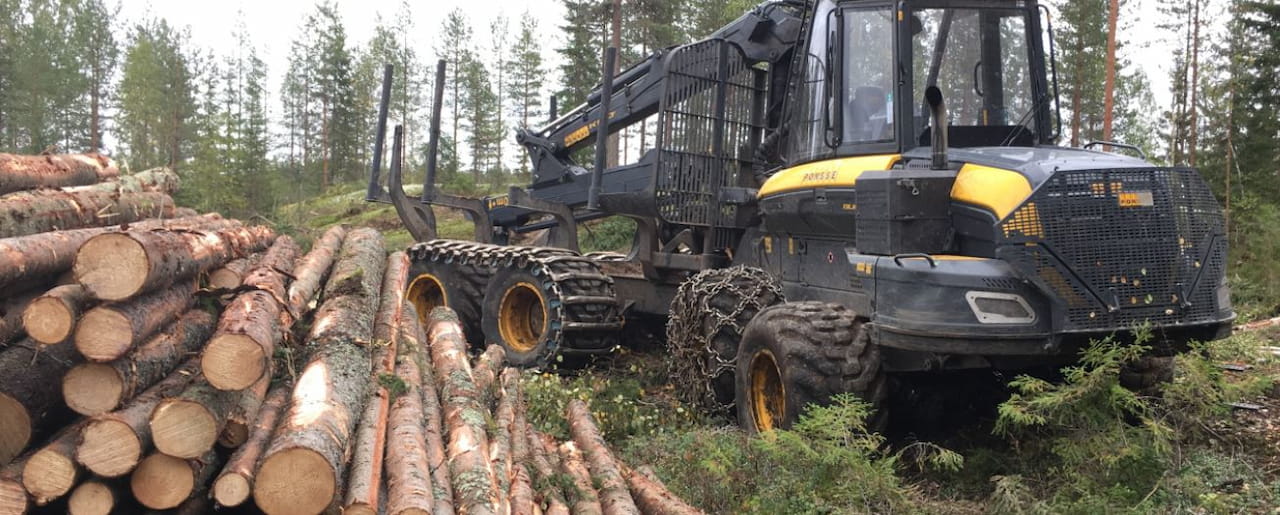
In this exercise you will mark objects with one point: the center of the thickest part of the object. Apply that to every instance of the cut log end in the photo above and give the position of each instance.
(360, 509)
(224, 279)
(162, 482)
(91, 498)
(48, 320)
(103, 334)
(13, 499)
(109, 448)
(92, 389)
(297, 480)
(183, 428)
(111, 266)
(231, 490)
(233, 362)
(15, 428)
(48, 476)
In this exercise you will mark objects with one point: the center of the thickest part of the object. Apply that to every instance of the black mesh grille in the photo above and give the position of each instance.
(692, 158)
(1121, 247)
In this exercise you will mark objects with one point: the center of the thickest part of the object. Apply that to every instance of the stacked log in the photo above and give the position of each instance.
(18, 173)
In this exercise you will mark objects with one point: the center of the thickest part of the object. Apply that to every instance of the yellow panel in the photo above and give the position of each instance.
(996, 189)
(832, 173)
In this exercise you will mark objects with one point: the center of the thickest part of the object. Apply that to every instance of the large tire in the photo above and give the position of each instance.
(435, 283)
(540, 310)
(797, 354)
(1147, 374)
(707, 317)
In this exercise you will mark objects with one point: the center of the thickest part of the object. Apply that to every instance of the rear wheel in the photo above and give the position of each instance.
(797, 354)
(434, 284)
(1147, 374)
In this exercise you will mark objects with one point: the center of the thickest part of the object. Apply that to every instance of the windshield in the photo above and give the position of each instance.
(980, 60)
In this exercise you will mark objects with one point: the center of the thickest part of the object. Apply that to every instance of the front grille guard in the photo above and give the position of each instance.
(1118, 248)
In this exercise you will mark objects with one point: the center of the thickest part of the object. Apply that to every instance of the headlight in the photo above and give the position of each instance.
(1000, 308)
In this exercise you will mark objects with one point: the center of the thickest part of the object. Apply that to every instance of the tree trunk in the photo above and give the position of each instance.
(164, 482)
(240, 420)
(409, 487)
(311, 270)
(28, 399)
(475, 488)
(18, 172)
(584, 499)
(112, 443)
(386, 327)
(51, 470)
(242, 348)
(315, 433)
(614, 496)
(1077, 91)
(11, 310)
(231, 275)
(107, 332)
(187, 425)
(40, 257)
(99, 497)
(95, 388)
(50, 318)
(545, 458)
(500, 440)
(162, 180)
(486, 371)
(235, 483)
(13, 498)
(120, 265)
(360, 267)
(652, 497)
(412, 336)
(522, 502)
(1194, 144)
(34, 212)
(1109, 89)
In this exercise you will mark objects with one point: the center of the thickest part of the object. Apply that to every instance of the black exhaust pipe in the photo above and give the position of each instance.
(938, 109)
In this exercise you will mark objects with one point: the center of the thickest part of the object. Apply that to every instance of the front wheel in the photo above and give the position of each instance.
(796, 354)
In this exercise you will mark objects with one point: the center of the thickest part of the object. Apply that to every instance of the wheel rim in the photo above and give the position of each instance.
(426, 292)
(522, 317)
(768, 396)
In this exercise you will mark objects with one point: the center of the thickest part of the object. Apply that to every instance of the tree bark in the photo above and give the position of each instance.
(360, 266)
(235, 483)
(522, 502)
(11, 310)
(614, 496)
(13, 498)
(28, 400)
(40, 257)
(112, 443)
(409, 487)
(1194, 144)
(50, 318)
(652, 497)
(188, 424)
(243, 347)
(475, 488)
(231, 275)
(583, 499)
(412, 336)
(371, 437)
(386, 327)
(33, 212)
(500, 440)
(164, 482)
(311, 270)
(1109, 89)
(51, 471)
(95, 388)
(240, 420)
(488, 366)
(19, 172)
(542, 456)
(107, 332)
(120, 265)
(161, 180)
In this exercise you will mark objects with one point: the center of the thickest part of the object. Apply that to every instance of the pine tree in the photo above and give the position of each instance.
(585, 28)
(454, 47)
(526, 77)
(498, 30)
(9, 11)
(156, 97)
(391, 45)
(478, 117)
(1082, 64)
(99, 53)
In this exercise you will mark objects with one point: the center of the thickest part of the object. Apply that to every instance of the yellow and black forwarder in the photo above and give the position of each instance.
(837, 192)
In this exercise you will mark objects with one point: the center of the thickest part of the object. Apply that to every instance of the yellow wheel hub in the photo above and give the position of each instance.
(426, 292)
(768, 397)
(522, 317)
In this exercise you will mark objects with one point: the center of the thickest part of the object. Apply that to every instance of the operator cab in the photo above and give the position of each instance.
(986, 58)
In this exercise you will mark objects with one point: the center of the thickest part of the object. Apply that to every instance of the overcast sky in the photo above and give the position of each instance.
(273, 24)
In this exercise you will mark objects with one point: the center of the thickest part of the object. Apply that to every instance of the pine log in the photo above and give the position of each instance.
(99, 496)
(28, 398)
(522, 501)
(40, 257)
(386, 327)
(50, 318)
(96, 388)
(500, 439)
(231, 275)
(13, 498)
(11, 310)
(161, 180)
(409, 487)
(108, 331)
(51, 471)
(24, 172)
(188, 424)
(488, 365)
(240, 420)
(311, 270)
(34, 212)
(243, 347)
(583, 497)
(120, 265)
(652, 497)
(112, 443)
(615, 498)
(413, 336)
(543, 457)
(360, 266)
(235, 483)
(163, 482)
(475, 487)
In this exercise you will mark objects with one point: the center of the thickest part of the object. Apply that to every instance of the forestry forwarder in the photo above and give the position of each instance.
(797, 155)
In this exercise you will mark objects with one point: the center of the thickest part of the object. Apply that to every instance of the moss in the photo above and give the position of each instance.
(394, 384)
